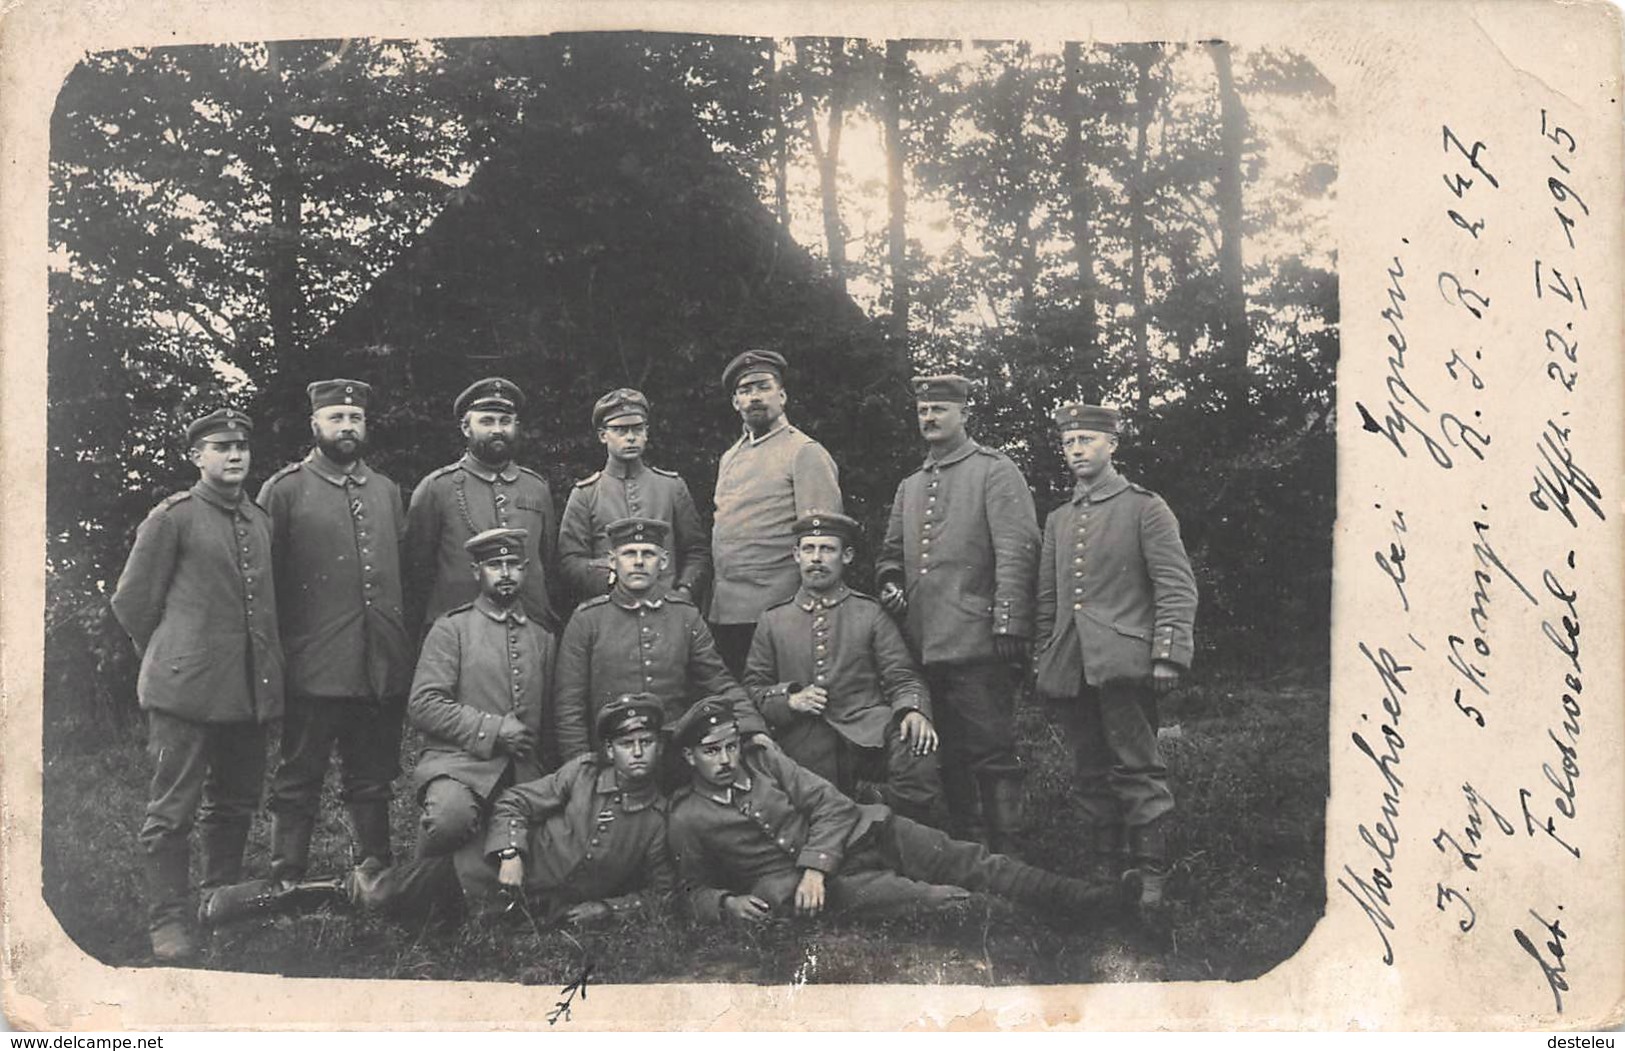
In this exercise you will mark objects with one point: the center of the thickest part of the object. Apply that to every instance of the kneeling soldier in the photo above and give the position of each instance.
(585, 842)
(755, 835)
(482, 682)
(832, 676)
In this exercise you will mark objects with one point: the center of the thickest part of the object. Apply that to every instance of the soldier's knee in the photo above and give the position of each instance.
(450, 817)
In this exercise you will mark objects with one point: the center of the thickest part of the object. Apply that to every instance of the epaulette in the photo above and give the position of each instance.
(450, 467)
(453, 611)
(782, 602)
(533, 473)
(1138, 488)
(661, 470)
(591, 478)
(855, 593)
(997, 454)
(172, 499)
(681, 600)
(287, 469)
(596, 600)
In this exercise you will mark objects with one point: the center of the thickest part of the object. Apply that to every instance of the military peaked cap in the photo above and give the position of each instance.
(637, 531)
(753, 361)
(1076, 416)
(826, 523)
(496, 543)
(493, 392)
(941, 388)
(710, 719)
(324, 393)
(629, 712)
(623, 401)
(221, 425)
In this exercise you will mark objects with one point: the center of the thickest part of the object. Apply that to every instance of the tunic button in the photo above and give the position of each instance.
(923, 571)
(1077, 605)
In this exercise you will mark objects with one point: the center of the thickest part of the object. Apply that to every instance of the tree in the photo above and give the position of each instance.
(896, 80)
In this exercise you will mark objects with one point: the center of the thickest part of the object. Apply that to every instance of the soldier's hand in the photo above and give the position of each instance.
(810, 893)
(587, 912)
(747, 907)
(1011, 648)
(511, 873)
(515, 738)
(1164, 676)
(892, 599)
(810, 700)
(919, 733)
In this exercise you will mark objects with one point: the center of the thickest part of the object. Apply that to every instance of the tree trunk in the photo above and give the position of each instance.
(1145, 57)
(1232, 277)
(1023, 199)
(282, 272)
(827, 153)
(781, 148)
(895, 84)
(1081, 205)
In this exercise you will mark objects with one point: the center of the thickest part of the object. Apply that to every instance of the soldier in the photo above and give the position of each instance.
(639, 638)
(1113, 555)
(198, 599)
(483, 490)
(584, 843)
(960, 558)
(832, 676)
(336, 531)
(482, 683)
(754, 835)
(628, 487)
(771, 476)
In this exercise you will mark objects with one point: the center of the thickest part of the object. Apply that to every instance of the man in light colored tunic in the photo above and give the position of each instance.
(771, 476)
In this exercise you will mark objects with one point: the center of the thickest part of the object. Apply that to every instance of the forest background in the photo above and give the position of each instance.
(1146, 224)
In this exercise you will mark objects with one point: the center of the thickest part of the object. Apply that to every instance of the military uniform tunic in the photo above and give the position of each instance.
(336, 545)
(763, 485)
(464, 498)
(621, 643)
(198, 599)
(478, 665)
(630, 491)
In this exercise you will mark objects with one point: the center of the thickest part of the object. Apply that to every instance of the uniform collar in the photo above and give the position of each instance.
(654, 598)
(472, 465)
(954, 457)
(741, 784)
(326, 469)
(809, 601)
(1108, 485)
(615, 468)
(778, 428)
(631, 802)
(208, 494)
(515, 612)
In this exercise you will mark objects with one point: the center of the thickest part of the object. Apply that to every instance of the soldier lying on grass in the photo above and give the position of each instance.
(755, 836)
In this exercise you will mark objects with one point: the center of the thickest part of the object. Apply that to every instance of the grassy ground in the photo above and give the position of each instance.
(1249, 763)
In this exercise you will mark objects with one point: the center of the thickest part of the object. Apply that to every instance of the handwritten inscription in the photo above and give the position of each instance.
(1550, 957)
(1382, 835)
(1565, 775)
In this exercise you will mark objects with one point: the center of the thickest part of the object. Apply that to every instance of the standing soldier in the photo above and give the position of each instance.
(336, 530)
(483, 490)
(833, 678)
(961, 557)
(483, 681)
(198, 600)
(1116, 616)
(628, 487)
(639, 638)
(771, 476)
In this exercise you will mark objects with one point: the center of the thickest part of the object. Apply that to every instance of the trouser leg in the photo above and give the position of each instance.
(733, 645)
(1081, 726)
(981, 773)
(369, 744)
(410, 888)
(1138, 777)
(450, 816)
(913, 782)
(309, 727)
(878, 891)
(178, 750)
(231, 794)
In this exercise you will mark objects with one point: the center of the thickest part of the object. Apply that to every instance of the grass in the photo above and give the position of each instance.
(1250, 772)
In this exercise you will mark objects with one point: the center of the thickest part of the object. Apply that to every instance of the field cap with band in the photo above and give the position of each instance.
(941, 388)
(221, 425)
(324, 393)
(496, 543)
(493, 392)
(637, 531)
(622, 406)
(630, 712)
(770, 361)
(709, 720)
(1077, 416)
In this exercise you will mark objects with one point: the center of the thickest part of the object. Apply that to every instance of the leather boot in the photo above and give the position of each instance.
(965, 819)
(369, 832)
(1051, 892)
(1108, 855)
(222, 846)
(1004, 808)
(1148, 853)
(168, 888)
(290, 846)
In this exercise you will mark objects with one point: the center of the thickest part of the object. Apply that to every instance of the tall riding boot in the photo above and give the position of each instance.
(1148, 853)
(168, 888)
(965, 819)
(369, 832)
(222, 844)
(1049, 891)
(290, 845)
(1004, 807)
